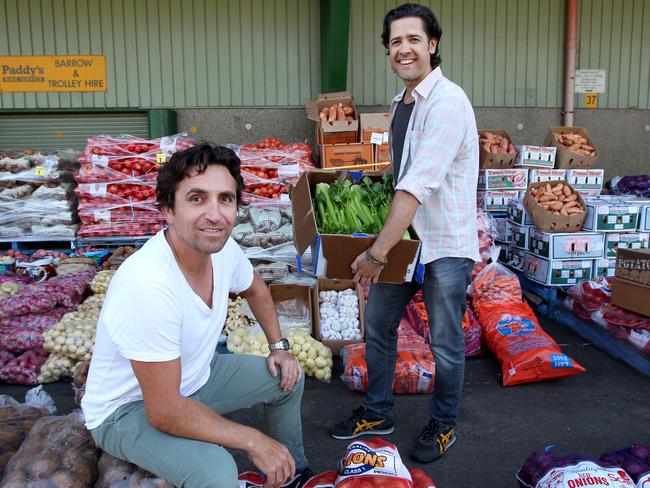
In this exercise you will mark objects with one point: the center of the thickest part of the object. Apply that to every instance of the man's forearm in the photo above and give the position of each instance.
(261, 304)
(193, 420)
(400, 216)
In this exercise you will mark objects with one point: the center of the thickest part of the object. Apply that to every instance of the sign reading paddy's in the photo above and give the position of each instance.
(76, 73)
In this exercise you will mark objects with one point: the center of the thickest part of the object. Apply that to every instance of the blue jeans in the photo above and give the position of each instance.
(444, 287)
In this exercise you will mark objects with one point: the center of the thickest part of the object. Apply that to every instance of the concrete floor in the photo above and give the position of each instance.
(605, 408)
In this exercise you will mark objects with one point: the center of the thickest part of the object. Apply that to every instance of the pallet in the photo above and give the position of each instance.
(543, 299)
(33, 244)
(604, 341)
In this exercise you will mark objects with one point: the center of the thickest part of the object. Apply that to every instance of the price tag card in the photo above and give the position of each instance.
(98, 189)
(289, 170)
(377, 138)
(161, 158)
(39, 170)
(385, 138)
(99, 159)
(102, 216)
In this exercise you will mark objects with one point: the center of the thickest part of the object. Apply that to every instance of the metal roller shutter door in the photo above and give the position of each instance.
(62, 131)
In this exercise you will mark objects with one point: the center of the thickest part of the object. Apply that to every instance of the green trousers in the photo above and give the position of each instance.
(236, 381)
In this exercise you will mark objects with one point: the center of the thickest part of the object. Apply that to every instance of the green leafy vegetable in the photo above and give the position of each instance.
(346, 208)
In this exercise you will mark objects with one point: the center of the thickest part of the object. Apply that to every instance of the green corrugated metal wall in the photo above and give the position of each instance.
(615, 36)
(200, 53)
(509, 53)
(504, 53)
(61, 131)
(173, 53)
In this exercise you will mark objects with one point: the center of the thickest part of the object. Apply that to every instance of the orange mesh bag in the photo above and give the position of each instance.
(512, 331)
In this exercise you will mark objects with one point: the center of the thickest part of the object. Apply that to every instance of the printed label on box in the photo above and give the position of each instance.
(539, 175)
(289, 170)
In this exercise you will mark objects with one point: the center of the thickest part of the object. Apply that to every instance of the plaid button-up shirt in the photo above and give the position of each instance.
(439, 168)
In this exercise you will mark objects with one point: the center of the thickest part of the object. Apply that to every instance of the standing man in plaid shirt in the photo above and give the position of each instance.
(434, 148)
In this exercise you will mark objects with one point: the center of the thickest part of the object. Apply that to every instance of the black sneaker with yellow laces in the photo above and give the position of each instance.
(362, 422)
(434, 441)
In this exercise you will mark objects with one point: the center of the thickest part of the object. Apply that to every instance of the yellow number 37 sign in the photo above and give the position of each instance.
(591, 100)
(53, 73)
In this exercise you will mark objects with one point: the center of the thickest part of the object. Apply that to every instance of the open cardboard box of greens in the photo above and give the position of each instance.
(549, 222)
(326, 284)
(333, 254)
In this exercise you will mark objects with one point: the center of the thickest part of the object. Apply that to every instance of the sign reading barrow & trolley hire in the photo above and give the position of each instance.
(75, 73)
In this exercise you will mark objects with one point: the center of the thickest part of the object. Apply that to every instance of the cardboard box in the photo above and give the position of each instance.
(382, 156)
(644, 215)
(495, 200)
(629, 240)
(325, 284)
(634, 265)
(610, 214)
(503, 179)
(549, 222)
(517, 212)
(502, 229)
(515, 257)
(589, 182)
(495, 161)
(347, 156)
(566, 159)
(281, 292)
(579, 245)
(537, 175)
(374, 123)
(519, 235)
(631, 296)
(332, 254)
(556, 273)
(339, 131)
(535, 157)
(604, 267)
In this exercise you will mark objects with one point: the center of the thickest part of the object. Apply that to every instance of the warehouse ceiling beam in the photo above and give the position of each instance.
(334, 32)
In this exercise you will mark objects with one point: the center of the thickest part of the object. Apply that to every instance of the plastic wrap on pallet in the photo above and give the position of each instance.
(630, 185)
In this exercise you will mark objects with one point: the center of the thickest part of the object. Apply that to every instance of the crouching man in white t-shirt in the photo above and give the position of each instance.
(156, 391)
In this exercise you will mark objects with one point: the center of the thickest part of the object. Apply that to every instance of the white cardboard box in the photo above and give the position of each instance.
(604, 267)
(611, 214)
(537, 175)
(567, 246)
(536, 156)
(627, 240)
(503, 179)
(552, 272)
(519, 235)
(517, 213)
(495, 200)
(589, 182)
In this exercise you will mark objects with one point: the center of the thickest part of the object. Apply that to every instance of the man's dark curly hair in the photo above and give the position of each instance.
(429, 20)
(198, 157)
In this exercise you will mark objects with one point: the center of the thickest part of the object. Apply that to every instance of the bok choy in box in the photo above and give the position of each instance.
(337, 234)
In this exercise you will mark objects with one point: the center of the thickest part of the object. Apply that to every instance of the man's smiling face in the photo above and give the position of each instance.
(410, 50)
(205, 209)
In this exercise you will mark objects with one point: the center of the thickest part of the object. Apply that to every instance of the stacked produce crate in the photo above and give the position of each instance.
(117, 185)
(36, 196)
(264, 227)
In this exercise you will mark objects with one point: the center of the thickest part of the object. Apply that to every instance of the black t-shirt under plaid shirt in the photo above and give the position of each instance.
(399, 127)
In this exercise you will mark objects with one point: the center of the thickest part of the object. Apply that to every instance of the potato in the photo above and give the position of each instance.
(11, 436)
(42, 468)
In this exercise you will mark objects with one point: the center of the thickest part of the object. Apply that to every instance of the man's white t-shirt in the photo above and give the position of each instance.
(152, 314)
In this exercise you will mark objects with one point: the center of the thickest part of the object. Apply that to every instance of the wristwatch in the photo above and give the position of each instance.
(281, 345)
